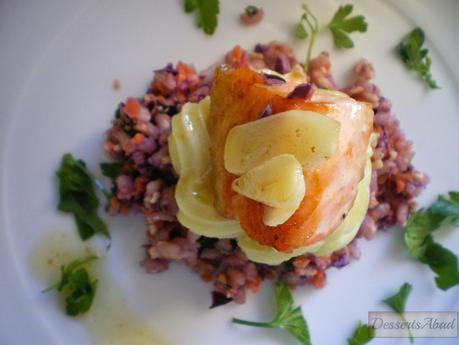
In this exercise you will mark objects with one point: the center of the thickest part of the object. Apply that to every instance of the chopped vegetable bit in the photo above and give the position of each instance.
(112, 169)
(415, 57)
(77, 286)
(206, 12)
(117, 114)
(77, 196)
(218, 298)
(251, 10)
(363, 334)
(397, 303)
(340, 26)
(307, 25)
(252, 15)
(116, 84)
(287, 316)
(421, 245)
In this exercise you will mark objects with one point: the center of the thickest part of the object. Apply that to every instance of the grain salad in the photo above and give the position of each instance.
(145, 180)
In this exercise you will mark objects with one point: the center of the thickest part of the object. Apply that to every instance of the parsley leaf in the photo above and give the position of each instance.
(77, 196)
(300, 31)
(340, 26)
(397, 303)
(206, 12)
(363, 334)
(415, 57)
(287, 316)
(189, 5)
(307, 25)
(77, 286)
(421, 245)
(112, 169)
(444, 263)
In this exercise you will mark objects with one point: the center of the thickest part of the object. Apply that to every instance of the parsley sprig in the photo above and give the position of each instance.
(341, 25)
(416, 58)
(77, 195)
(397, 303)
(77, 286)
(287, 317)
(363, 334)
(421, 245)
(307, 25)
(206, 12)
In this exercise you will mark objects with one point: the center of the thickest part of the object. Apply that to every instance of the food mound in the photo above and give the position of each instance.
(254, 169)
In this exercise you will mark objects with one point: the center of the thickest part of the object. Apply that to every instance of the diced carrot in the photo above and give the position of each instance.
(132, 107)
(254, 284)
(114, 203)
(139, 184)
(237, 53)
(207, 277)
(238, 57)
(181, 98)
(301, 261)
(184, 71)
(222, 278)
(319, 279)
(138, 138)
(399, 185)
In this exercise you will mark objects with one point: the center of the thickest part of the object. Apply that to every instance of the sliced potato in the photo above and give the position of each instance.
(209, 229)
(309, 136)
(189, 152)
(278, 182)
(273, 216)
(264, 254)
(204, 109)
(189, 141)
(195, 200)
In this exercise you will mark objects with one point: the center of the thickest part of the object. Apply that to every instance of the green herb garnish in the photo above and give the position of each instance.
(415, 57)
(77, 196)
(307, 25)
(251, 10)
(206, 12)
(397, 303)
(340, 26)
(112, 169)
(77, 286)
(117, 114)
(287, 317)
(363, 334)
(421, 245)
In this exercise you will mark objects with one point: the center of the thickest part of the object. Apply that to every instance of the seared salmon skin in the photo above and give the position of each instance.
(241, 95)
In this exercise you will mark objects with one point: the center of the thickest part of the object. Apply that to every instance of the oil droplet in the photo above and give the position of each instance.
(53, 250)
(109, 321)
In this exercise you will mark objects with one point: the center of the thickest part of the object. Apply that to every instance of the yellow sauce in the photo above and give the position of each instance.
(109, 321)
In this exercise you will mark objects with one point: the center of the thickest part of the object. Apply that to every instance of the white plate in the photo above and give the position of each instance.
(58, 61)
